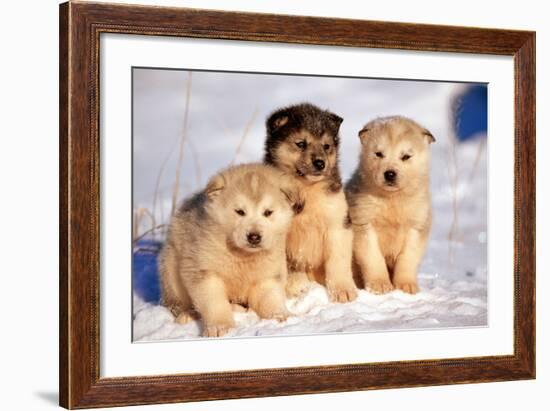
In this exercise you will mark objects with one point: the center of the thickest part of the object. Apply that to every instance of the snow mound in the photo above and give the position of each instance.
(440, 304)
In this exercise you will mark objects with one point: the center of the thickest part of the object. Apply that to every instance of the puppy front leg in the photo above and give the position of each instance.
(210, 300)
(339, 276)
(404, 277)
(297, 283)
(267, 298)
(367, 253)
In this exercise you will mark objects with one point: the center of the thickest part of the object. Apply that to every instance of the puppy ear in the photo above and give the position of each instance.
(336, 119)
(363, 134)
(429, 136)
(215, 187)
(277, 120)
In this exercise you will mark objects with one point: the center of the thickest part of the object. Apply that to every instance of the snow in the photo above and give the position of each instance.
(441, 303)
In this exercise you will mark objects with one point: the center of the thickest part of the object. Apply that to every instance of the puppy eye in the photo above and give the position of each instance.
(379, 154)
(267, 213)
(240, 212)
(301, 145)
(405, 157)
(326, 147)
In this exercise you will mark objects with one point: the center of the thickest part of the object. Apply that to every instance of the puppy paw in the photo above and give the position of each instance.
(272, 311)
(296, 288)
(279, 315)
(187, 316)
(342, 293)
(408, 287)
(217, 329)
(379, 286)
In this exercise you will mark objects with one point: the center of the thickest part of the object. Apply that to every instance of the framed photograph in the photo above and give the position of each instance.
(260, 205)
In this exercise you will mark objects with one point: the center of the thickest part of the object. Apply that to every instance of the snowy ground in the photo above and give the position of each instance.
(442, 303)
(453, 274)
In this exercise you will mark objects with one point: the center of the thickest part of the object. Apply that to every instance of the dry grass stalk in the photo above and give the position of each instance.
(138, 216)
(157, 187)
(453, 177)
(452, 169)
(175, 193)
(244, 135)
(196, 162)
(149, 231)
(480, 150)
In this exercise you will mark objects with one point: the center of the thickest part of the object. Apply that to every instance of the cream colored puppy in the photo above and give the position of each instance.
(226, 245)
(389, 200)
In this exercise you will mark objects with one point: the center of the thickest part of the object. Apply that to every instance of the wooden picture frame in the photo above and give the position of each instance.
(80, 27)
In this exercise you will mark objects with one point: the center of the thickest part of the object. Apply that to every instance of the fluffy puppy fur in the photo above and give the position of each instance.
(302, 141)
(226, 245)
(389, 200)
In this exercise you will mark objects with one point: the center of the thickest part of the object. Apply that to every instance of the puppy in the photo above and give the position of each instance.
(389, 200)
(226, 245)
(302, 141)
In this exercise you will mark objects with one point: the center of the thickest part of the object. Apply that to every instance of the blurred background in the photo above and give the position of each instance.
(187, 125)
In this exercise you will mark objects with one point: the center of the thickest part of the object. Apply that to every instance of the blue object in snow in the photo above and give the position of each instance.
(470, 112)
(145, 270)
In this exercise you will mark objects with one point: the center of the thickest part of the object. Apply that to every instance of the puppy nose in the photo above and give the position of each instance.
(319, 164)
(254, 238)
(390, 175)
